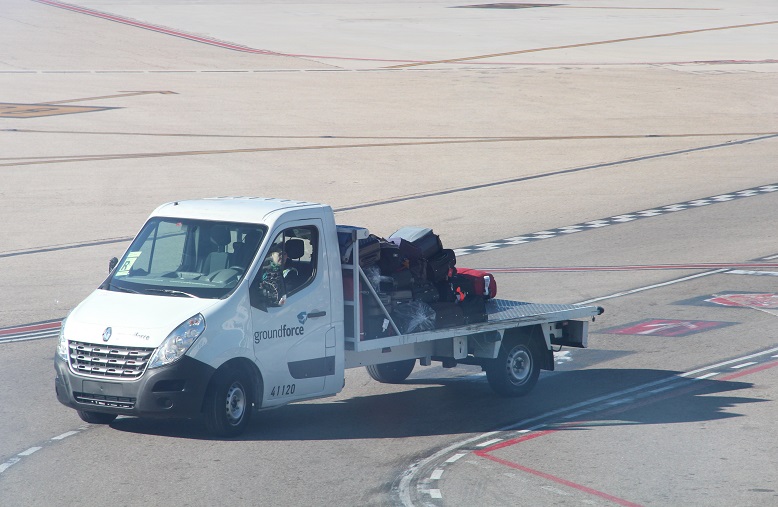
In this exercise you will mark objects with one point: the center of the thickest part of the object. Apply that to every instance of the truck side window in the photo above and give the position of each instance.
(290, 264)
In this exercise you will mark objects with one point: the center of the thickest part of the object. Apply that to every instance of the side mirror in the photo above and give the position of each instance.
(112, 262)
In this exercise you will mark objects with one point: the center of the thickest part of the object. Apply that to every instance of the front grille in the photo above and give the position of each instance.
(108, 362)
(105, 401)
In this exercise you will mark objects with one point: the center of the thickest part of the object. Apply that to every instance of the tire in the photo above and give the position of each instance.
(516, 369)
(96, 417)
(391, 373)
(228, 403)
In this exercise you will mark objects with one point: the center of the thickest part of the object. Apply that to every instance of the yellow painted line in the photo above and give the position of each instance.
(583, 44)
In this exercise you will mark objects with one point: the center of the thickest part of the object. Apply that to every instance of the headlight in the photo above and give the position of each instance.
(178, 342)
(62, 345)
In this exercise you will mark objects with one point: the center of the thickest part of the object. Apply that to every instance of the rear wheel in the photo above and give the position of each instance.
(96, 417)
(228, 403)
(391, 373)
(516, 369)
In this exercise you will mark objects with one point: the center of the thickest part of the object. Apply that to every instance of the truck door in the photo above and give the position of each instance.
(291, 317)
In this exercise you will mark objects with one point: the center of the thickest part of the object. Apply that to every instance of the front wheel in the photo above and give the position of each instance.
(96, 417)
(516, 369)
(391, 373)
(228, 403)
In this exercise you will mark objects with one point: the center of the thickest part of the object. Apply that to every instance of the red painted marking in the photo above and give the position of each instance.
(486, 453)
(246, 49)
(767, 300)
(628, 267)
(667, 327)
(749, 371)
(29, 329)
(559, 480)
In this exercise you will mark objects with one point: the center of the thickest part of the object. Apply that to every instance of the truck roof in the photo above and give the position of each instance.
(233, 209)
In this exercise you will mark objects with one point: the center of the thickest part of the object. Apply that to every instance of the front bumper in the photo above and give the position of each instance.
(175, 390)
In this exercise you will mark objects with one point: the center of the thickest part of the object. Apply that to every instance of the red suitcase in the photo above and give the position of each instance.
(483, 283)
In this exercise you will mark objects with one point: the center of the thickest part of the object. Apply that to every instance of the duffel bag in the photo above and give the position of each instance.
(476, 281)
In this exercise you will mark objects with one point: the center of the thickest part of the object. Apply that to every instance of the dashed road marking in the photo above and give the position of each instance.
(456, 457)
(615, 220)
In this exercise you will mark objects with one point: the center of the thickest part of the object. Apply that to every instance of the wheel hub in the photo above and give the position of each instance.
(236, 403)
(519, 366)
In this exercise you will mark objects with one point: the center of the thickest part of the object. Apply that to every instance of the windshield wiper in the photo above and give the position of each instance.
(122, 289)
(173, 292)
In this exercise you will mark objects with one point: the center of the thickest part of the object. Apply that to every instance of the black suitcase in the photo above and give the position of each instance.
(446, 291)
(448, 315)
(402, 279)
(423, 239)
(441, 266)
(391, 259)
(474, 309)
(425, 291)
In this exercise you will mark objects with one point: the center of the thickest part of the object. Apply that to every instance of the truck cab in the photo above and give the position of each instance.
(218, 306)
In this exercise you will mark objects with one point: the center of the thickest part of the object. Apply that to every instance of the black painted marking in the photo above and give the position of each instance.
(614, 220)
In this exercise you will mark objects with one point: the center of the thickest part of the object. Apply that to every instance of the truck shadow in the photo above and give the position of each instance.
(424, 406)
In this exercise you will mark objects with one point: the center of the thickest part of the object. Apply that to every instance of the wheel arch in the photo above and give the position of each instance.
(250, 369)
(534, 337)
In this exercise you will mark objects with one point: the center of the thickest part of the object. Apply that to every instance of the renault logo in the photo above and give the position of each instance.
(107, 334)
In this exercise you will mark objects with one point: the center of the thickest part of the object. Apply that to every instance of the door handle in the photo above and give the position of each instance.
(313, 315)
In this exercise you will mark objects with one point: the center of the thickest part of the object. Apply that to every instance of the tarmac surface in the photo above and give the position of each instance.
(620, 153)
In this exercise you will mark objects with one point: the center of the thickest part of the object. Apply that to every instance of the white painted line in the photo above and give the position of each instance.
(649, 287)
(770, 258)
(577, 414)
(435, 493)
(65, 435)
(8, 464)
(437, 474)
(523, 431)
(661, 389)
(737, 367)
(725, 363)
(707, 375)
(489, 442)
(456, 457)
(29, 451)
(754, 273)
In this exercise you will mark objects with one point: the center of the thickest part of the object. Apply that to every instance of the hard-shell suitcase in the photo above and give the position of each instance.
(482, 282)
(423, 239)
(441, 266)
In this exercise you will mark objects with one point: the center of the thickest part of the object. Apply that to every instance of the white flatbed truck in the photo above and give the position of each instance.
(185, 326)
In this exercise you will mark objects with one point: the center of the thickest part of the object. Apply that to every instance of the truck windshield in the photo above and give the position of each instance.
(186, 258)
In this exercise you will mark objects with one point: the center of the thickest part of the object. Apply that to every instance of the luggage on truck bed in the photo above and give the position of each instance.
(425, 242)
(474, 309)
(448, 315)
(391, 259)
(425, 291)
(440, 267)
(369, 249)
(475, 281)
